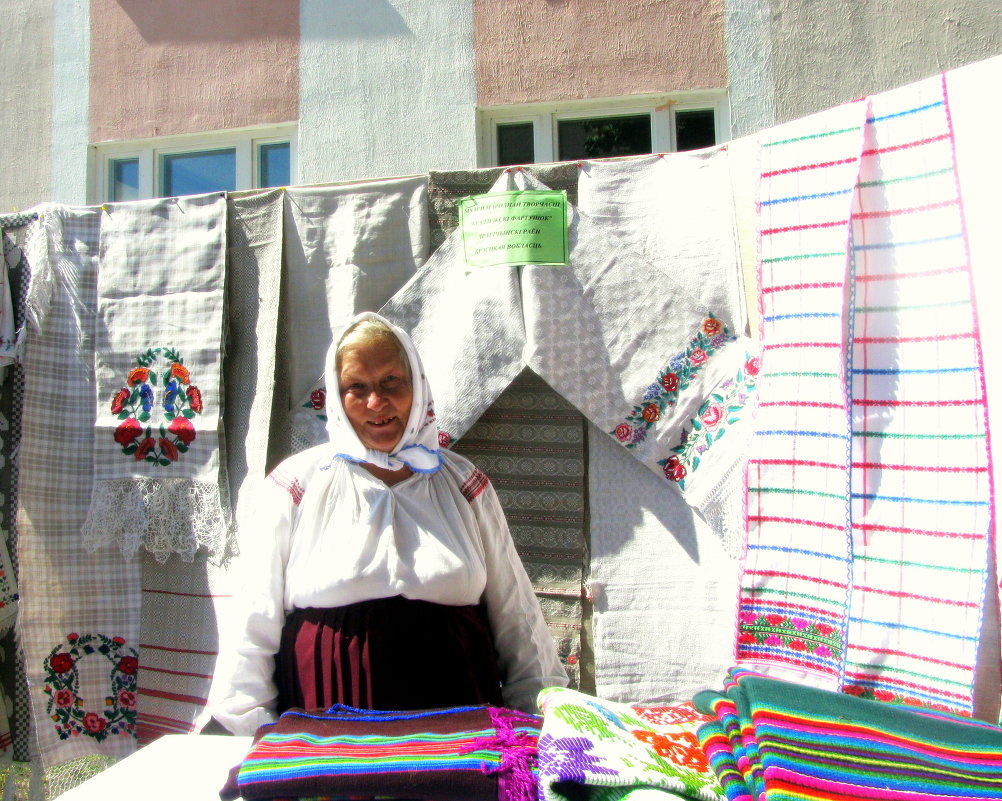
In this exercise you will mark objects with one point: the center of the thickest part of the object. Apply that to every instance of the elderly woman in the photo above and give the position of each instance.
(381, 573)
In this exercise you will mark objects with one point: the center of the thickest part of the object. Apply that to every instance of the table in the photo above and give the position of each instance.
(185, 767)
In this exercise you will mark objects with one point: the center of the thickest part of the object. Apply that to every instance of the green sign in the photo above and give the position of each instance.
(510, 228)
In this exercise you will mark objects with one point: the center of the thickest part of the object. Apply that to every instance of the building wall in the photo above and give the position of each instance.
(176, 66)
(26, 67)
(826, 53)
(70, 101)
(384, 91)
(554, 50)
(749, 66)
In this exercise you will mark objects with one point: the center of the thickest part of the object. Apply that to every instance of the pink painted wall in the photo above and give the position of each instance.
(172, 67)
(551, 50)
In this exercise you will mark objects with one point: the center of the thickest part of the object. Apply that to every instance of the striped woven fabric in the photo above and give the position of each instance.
(921, 494)
(795, 587)
(872, 440)
(817, 744)
(474, 753)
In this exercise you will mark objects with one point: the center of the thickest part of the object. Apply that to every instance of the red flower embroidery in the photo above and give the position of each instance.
(682, 749)
(883, 695)
(318, 399)
(753, 365)
(824, 629)
(169, 449)
(698, 356)
(144, 448)
(128, 665)
(118, 402)
(774, 620)
(64, 698)
(180, 372)
(747, 638)
(713, 415)
(670, 382)
(94, 723)
(126, 699)
(194, 399)
(623, 432)
(138, 375)
(651, 412)
(61, 663)
(711, 326)
(853, 689)
(798, 645)
(127, 431)
(116, 640)
(182, 428)
(674, 470)
(444, 439)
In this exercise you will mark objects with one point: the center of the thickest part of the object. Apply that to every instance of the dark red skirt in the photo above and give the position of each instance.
(389, 653)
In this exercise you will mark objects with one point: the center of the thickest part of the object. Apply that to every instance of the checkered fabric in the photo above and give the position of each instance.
(79, 615)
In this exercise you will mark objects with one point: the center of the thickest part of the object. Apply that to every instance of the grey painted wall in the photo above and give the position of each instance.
(26, 67)
(386, 92)
(70, 101)
(826, 52)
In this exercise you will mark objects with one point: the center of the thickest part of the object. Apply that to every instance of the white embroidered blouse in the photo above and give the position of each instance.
(439, 537)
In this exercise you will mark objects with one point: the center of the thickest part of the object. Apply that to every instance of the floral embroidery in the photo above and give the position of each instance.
(790, 634)
(570, 758)
(681, 748)
(133, 405)
(444, 439)
(675, 377)
(718, 411)
(893, 698)
(318, 402)
(62, 685)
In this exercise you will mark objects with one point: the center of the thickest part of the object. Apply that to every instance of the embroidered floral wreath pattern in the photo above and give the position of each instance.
(133, 404)
(720, 410)
(62, 685)
(673, 379)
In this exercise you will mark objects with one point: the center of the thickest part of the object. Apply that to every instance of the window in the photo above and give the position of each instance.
(565, 132)
(186, 165)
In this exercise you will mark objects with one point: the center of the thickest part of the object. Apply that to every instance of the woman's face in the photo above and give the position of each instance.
(376, 393)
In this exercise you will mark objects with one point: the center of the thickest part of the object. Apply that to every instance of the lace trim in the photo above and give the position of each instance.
(163, 515)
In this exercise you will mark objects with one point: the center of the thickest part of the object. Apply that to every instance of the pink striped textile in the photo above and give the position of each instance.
(869, 485)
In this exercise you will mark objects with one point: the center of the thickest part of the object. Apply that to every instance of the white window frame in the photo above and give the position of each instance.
(545, 116)
(245, 142)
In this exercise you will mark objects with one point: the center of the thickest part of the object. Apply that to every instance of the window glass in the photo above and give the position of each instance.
(603, 137)
(202, 171)
(694, 129)
(124, 179)
(515, 145)
(273, 164)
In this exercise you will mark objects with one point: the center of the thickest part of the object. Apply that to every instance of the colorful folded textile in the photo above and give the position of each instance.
(800, 742)
(470, 753)
(591, 749)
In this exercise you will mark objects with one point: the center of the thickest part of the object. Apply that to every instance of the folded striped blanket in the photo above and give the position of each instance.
(778, 740)
(472, 753)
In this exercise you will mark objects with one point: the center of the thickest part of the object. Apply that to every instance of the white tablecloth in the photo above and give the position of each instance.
(191, 767)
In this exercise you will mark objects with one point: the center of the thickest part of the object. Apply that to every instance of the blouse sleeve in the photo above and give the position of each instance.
(249, 639)
(527, 655)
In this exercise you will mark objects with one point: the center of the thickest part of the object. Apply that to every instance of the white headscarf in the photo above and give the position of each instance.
(418, 447)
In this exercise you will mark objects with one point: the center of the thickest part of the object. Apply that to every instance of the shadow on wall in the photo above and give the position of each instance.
(341, 19)
(215, 20)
